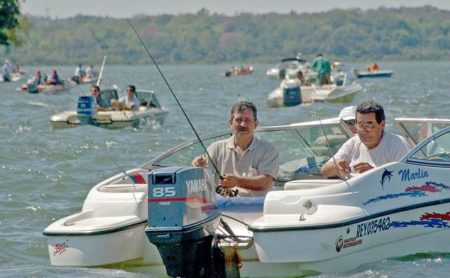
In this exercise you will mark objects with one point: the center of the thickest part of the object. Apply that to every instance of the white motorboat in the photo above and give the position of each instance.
(14, 77)
(32, 88)
(292, 92)
(150, 111)
(307, 224)
(288, 67)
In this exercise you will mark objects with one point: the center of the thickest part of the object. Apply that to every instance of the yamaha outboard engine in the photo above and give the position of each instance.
(86, 109)
(182, 219)
(291, 92)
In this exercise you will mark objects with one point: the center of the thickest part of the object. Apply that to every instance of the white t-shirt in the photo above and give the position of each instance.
(391, 148)
(135, 102)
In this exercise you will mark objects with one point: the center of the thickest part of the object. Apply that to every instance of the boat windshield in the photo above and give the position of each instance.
(148, 99)
(303, 148)
(436, 150)
(417, 129)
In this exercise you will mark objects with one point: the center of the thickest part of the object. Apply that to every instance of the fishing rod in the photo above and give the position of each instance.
(175, 97)
(330, 152)
(100, 75)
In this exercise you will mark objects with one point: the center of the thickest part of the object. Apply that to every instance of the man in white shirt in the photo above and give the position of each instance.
(371, 148)
(129, 102)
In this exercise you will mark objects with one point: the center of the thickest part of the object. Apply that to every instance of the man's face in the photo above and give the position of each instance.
(243, 123)
(369, 131)
(130, 93)
(94, 92)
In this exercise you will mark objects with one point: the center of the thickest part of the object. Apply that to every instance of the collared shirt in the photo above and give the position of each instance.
(260, 158)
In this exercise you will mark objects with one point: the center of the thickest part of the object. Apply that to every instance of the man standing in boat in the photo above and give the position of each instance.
(323, 68)
(248, 164)
(371, 148)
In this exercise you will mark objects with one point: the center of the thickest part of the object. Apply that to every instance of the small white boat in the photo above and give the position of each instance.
(307, 224)
(293, 92)
(14, 77)
(32, 88)
(150, 111)
(287, 67)
(85, 79)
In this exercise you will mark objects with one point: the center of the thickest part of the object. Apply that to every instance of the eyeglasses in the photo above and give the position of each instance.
(350, 122)
(367, 125)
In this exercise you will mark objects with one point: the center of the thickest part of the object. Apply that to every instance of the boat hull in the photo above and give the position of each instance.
(375, 74)
(110, 119)
(336, 249)
(97, 250)
(309, 94)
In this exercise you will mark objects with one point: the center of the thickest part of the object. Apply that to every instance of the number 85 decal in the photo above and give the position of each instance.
(163, 192)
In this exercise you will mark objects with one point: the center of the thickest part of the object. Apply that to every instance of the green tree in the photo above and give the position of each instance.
(9, 12)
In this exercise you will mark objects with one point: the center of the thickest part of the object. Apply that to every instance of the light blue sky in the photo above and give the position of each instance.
(127, 8)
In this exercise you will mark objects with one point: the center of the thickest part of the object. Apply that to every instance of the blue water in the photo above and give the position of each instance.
(45, 174)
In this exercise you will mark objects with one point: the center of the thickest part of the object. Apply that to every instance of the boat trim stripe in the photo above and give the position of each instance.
(349, 222)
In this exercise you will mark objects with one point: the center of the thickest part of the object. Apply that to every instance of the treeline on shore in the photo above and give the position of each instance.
(348, 35)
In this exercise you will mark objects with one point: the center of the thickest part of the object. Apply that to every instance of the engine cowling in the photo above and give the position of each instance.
(182, 219)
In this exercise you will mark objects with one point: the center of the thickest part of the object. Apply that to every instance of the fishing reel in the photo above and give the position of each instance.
(226, 192)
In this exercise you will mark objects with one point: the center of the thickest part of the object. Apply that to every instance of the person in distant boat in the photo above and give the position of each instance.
(7, 70)
(129, 102)
(371, 148)
(248, 164)
(90, 71)
(37, 77)
(323, 68)
(95, 91)
(79, 72)
(54, 79)
(300, 76)
(373, 67)
(348, 116)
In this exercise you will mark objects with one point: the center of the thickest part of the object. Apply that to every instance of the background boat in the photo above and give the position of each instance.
(46, 174)
(373, 74)
(150, 110)
(238, 71)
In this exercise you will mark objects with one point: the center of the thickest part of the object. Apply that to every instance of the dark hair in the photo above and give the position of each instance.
(370, 106)
(96, 87)
(132, 88)
(240, 106)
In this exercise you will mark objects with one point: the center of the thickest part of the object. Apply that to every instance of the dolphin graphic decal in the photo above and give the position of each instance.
(386, 176)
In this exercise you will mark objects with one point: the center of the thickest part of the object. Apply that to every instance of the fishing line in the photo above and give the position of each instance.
(175, 97)
(129, 176)
(326, 138)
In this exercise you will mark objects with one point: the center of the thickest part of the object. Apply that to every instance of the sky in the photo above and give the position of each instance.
(128, 8)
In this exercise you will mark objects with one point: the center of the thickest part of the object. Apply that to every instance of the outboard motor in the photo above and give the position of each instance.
(86, 109)
(75, 79)
(32, 88)
(182, 219)
(291, 92)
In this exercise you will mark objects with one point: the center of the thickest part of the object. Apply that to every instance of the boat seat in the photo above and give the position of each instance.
(123, 188)
(310, 184)
(334, 141)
